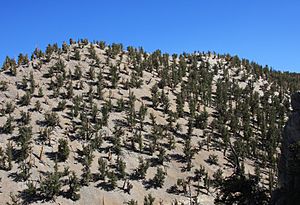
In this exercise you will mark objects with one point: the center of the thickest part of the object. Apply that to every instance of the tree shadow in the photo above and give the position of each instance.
(177, 157)
(52, 155)
(105, 186)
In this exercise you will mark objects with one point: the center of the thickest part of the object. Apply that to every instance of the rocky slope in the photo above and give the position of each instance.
(106, 114)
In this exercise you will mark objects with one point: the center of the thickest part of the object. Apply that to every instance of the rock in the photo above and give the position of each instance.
(296, 101)
(288, 183)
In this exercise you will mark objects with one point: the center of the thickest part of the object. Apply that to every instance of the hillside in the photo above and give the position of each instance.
(90, 123)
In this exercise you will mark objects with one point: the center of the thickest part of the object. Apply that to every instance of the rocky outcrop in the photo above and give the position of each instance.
(289, 181)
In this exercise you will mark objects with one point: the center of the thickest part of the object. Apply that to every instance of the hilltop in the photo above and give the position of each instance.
(93, 123)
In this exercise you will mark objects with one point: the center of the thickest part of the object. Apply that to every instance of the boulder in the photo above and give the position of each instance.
(288, 183)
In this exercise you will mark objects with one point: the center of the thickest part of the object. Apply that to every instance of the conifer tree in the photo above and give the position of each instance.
(9, 155)
(102, 168)
(63, 150)
(143, 166)
(159, 178)
(74, 187)
(51, 185)
(112, 179)
(149, 200)
(8, 126)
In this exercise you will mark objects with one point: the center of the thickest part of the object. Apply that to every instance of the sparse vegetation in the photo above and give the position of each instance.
(141, 114)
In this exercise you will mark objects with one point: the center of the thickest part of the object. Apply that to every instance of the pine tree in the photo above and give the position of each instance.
(9, 155)
(114, 76)
(189, 153)
(155, 95)
(24, 140)
(8, 126)
(179, 105)
(159, 178)
(24, 172)
(161, 155)
(143, 166)
(121, 166)
(77, 55)
(112, 180)
(74, 186)
(77, 73)
(51, 119)
(51, 185)
(102, 168)
(25, 117)
(149, 200)
(63, 150)
(25, 99)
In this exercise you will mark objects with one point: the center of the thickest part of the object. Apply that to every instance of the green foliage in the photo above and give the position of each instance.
(3, 86)
(61, 105)
(161, 155)
(201, 120)
(132, 202)
(10, 64)
(121, 168)
(189, 153)
(143, 166)
(112, 180)
(91, 73)
(159, 178)
(51, 185)
(8, 126)
(76, 55)
(116, 140)
(24, 172)
(218, 178)
(74, 187)
(31, 190)
(179, 105)
(120, 105)
(105, 115)
(2, 159)
(102, 168)
(25, 117)
(77, 73)
(149, 200)
(155, 95)
(24, 140)
(114, 76)
(9, 108)
(25, 99)
(63, 150)
(51, 119)
(9, 155)
(37, 106)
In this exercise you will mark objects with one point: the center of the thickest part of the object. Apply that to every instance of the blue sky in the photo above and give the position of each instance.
(265, 31)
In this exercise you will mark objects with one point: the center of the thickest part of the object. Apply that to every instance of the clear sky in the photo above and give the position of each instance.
(265, 31)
